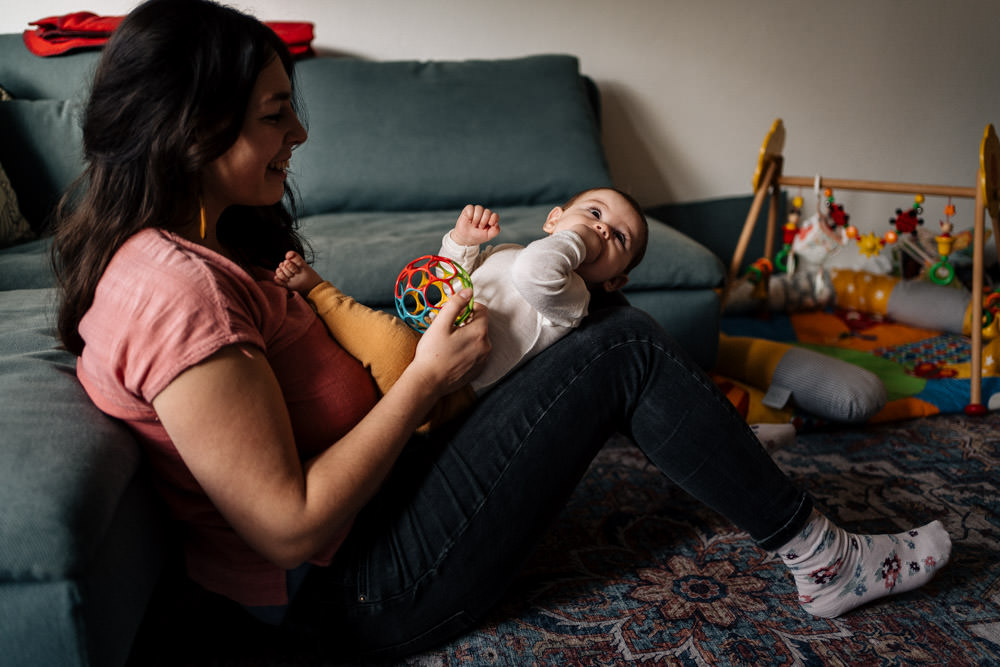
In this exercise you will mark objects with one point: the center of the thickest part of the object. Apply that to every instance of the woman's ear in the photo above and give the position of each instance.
(552, 218)
(616, 283)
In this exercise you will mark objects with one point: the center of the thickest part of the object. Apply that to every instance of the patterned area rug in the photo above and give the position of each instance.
(636, 571)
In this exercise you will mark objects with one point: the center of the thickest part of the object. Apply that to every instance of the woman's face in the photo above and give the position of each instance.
(253, 171)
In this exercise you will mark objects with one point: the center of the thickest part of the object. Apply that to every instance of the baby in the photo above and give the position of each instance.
(535, 294)
(538, 293)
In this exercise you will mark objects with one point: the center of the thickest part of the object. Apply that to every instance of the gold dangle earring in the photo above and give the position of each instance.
(201, 205)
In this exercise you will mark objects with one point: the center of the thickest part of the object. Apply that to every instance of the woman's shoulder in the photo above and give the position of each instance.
(159, 261)
(159, 274)
(164, 252)
(163, 304)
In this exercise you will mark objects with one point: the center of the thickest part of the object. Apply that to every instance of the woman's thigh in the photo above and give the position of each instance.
(441, 541)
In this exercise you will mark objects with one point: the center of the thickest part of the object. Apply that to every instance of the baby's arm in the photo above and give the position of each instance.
(475, 225)
(592, 242)
(544, 274)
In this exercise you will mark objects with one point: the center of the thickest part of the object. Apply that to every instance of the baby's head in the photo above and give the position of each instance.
(618, 220)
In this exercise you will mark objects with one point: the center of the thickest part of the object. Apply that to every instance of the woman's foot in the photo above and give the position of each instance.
(836, 571)
(774, 436)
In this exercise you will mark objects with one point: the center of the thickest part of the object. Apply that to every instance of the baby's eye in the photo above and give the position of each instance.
(596, 212)
(620, 237)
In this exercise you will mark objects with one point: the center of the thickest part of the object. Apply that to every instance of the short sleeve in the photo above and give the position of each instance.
(160, 308)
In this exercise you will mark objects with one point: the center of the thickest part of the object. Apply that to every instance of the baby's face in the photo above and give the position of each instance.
(615, 224)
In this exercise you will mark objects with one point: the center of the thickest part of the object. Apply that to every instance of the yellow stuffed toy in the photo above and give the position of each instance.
(820, 385)
(776, 376)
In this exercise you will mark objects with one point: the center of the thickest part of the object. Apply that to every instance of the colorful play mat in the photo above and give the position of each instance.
(925, 372)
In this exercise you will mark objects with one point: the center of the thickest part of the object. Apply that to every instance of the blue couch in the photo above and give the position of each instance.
(395, 150)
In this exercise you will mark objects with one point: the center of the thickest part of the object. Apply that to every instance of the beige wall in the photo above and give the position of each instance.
(874, 89)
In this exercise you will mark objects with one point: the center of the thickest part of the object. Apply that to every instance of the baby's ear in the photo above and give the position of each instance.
(552, 218)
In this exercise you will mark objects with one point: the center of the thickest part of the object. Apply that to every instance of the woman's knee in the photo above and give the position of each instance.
(636, 332)
(618, 324)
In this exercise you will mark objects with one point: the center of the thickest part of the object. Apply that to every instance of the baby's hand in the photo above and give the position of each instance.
(593, 240)
(475, 225)
(295, 274)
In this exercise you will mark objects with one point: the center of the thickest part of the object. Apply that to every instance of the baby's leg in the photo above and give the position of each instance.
(380, 341)
(296, 274)
(383, 343)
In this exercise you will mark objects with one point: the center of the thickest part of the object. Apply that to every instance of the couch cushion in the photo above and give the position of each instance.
(362, 253)
(64, 466)
(27, 76)
(26, 266)
(44, 139)
(81, 533)
(436, 135)
(717, 223)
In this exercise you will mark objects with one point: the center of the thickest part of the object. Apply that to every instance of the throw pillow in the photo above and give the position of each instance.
(13, 226)
(44, 139)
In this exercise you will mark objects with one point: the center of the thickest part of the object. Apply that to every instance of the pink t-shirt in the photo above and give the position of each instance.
(165, 304)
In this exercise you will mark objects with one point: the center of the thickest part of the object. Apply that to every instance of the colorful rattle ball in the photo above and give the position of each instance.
(425, 285)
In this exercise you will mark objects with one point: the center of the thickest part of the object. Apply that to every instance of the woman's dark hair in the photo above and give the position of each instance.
(169, 96)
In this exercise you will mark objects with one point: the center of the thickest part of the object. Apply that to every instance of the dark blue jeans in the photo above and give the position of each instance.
(448, 532)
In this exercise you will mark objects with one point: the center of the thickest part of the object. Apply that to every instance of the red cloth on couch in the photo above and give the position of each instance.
(56, 35)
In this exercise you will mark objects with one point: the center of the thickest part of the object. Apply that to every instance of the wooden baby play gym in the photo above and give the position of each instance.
(768, 180)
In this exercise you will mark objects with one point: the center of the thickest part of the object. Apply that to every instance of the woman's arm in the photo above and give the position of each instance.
(227, 418)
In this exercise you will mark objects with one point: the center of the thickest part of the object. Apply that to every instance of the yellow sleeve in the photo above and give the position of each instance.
(381, 342)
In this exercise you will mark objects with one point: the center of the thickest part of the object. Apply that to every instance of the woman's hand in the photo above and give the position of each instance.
(449, 356)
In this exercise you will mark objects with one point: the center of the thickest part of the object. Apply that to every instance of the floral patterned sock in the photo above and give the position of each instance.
(836, 571)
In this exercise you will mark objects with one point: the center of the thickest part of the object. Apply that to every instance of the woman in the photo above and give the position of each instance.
(299, 492)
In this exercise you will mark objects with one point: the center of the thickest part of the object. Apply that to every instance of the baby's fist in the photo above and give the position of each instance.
(475, 225)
